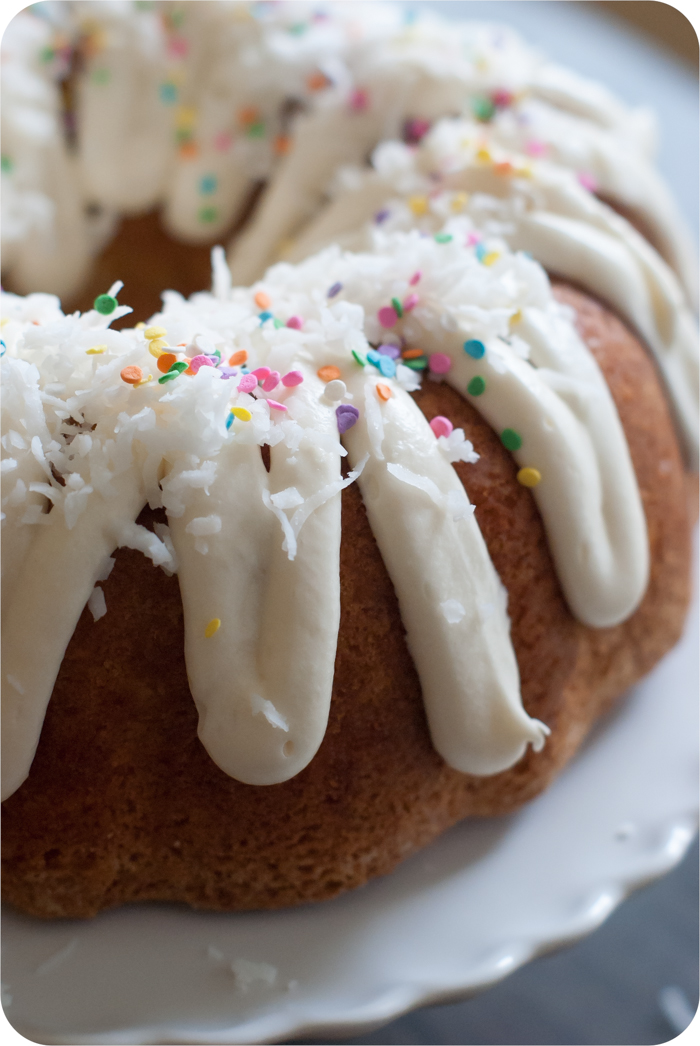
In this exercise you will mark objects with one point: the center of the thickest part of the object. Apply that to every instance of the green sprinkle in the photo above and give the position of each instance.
(360, 359)
(101, 77)
(298, 28)
(177, 368)
(277, 323)
(483, 108)
(47, 54)
(476, 386)
(443, 237)
(417, 363)
(177, 18)
(170, 376)
(105, 304)
(256, 130)
(208, 214)
(398, 307)
(6, 164)
(511, 439)
(183, 134)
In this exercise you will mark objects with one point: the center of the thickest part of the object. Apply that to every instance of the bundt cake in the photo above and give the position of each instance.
(466, 353)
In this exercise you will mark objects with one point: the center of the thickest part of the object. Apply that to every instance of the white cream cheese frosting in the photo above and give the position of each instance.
(256, 553)
(534, 206)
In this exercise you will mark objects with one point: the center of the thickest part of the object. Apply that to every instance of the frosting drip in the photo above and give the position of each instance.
(289, 363)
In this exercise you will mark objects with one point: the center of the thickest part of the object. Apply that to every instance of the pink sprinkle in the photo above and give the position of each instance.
(535, 147)
(439, 363)
(200, 361)
(223, 142)
(271, 381)
(587, 181)
(178, 46)
(415, 278)
(387, 316)
(295, 322)
(441, 426)
(294, 377)
(276, 406)
(410, 302)
(501, 98)
(359, 100)
(261, 373)
(472, 238)
(247, 383)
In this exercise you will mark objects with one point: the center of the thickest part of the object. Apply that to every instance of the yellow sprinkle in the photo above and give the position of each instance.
(483, 154)
(96, 350)
(241, 413)
(155, 350)
(459, 201)
(5, 320)
(490, 258)
(529, 477)
(144, 381)
(523, 172)
(140, 326)
(158, 344)
(465, 143)
(213, 626)
(418, 204)
(516, 317)
(186, 116)
(154, 332)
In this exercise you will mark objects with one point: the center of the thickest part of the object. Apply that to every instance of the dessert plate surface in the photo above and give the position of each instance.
(485, 898)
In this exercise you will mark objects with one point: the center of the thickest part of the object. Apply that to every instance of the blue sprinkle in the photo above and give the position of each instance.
(387, 366)
(4, 347)
(335, 289)
(265, 316)
(373, 357)
(475, 349)
(208, 184)
(480, 251)
(229, 421)
(168, 93)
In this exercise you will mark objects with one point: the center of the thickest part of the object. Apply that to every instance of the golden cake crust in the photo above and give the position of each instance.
(123, 803)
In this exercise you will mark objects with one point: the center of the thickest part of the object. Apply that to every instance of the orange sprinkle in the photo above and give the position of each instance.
(383, 391)
(165, 361)
(131, 375)
(248, 115)
(238, 357)
(328, 373)
(262, 300)
(412, 354)
(188, 150)
(503, 168)
(316, 81)
(282, 144)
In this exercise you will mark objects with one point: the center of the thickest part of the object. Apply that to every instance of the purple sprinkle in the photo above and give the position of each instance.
(381, 216)
(228, 372)
(346, 416)
(335, 289)
(390, 350)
